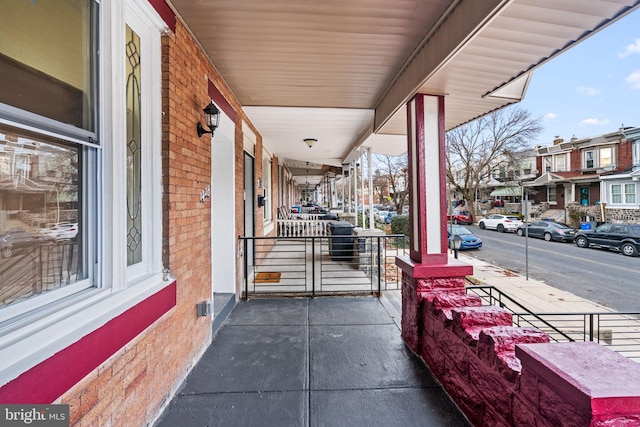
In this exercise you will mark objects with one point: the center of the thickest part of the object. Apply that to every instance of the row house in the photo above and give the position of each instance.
(579, 173)
(621, 190)
(508, 174)
(171, 131)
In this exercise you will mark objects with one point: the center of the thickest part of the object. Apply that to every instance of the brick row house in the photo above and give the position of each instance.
(102, 104)
(589, 177)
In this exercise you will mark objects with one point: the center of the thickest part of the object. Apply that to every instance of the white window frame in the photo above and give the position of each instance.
(551, 191)
(636, 152)
(40, 334)
(630, 189)
(600, 163)
(625, 189)
(560, 163)
(586, 159)
(151, 134)
(617, 193)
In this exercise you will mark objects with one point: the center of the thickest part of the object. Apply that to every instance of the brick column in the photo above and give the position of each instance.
(428, 267)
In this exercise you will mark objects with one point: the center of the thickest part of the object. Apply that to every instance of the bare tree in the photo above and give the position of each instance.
(393, 171)
(475, 148)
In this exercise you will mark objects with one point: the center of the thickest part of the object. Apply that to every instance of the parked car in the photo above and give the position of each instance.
(624, 238)
(469, 240)
(61, 231)
(18, 239)
(461, 217)
(500, 222)
(548, 230)
(382, 215)
(390, 216)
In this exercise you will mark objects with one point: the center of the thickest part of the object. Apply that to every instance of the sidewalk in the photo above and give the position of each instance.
(536, 296)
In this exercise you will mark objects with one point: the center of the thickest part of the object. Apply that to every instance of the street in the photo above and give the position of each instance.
(602, 276)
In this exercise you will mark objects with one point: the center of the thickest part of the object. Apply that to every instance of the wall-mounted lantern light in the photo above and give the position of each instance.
(211, 118)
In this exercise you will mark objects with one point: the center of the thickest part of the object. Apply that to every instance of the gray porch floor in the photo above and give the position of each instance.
(311, 362)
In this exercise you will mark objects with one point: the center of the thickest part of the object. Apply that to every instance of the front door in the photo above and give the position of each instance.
(584, 196)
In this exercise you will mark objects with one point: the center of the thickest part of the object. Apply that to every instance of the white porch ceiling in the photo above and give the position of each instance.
(341, 71)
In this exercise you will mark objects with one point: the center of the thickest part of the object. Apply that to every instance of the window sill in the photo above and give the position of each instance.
(621, 206)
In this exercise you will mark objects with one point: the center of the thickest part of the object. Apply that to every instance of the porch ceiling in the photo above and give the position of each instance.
(341, 71)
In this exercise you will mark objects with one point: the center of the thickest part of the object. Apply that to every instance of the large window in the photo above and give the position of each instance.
(80, 174)
(48, 150)
(598, 158)
(52, 58)
(606, 157)
(623, 194)
(551, 195)
(561, 163)
(41, 214)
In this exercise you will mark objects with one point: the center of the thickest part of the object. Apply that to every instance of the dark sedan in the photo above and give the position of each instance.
(548, 231)
(623, 238)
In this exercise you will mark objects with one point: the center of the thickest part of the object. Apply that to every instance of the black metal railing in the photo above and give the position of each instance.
(339, 264)
(618, 331)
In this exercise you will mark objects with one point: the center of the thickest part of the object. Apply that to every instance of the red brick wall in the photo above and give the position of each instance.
(501, 375)
(625, 155)
(131, 387)
(575, 163)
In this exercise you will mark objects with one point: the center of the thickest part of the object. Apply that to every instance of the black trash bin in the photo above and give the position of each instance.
(331, 217)
(341, 248)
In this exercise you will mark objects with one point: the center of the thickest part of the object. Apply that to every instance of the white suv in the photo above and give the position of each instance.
(500, 222)
(61, 231)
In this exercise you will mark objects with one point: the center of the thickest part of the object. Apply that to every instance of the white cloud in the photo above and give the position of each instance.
(593, 121)
(550, 116)
(633, 79)
(630, 49)
(588, 91)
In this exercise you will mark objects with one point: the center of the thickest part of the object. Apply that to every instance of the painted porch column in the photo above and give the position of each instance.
(573, 192)
(349, 181)
(371, 201)
(362, 195)
(428, 268)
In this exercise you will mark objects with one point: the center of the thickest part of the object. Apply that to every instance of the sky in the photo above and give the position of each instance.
(591, 89)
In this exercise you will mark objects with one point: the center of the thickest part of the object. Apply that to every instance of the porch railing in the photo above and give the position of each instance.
(310, 226)
(314, 265)
(618, 331)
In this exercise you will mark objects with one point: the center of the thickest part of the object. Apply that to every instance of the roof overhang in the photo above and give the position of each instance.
(342, 72)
